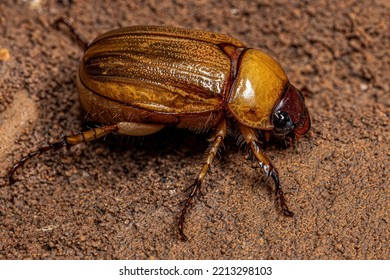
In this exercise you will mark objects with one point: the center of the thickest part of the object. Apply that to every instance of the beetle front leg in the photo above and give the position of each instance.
(195, 187)
(266, 165)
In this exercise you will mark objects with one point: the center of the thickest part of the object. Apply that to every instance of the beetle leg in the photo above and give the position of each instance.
(126, 128)
(67, 141)
(195, 187)
(266, 165)
(80, 37)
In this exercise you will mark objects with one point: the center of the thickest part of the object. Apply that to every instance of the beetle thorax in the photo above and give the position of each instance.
(259, 83)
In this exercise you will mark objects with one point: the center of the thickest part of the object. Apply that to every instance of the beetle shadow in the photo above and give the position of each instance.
(169, 141)
(172, 142)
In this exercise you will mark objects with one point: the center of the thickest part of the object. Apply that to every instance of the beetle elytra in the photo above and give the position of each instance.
(137, 80)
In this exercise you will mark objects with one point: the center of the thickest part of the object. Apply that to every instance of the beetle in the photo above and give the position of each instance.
(137, 80)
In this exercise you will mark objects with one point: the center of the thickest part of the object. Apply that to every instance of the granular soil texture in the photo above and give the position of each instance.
(119, 198)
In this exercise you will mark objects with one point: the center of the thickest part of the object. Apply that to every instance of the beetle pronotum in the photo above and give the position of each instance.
(137, 80)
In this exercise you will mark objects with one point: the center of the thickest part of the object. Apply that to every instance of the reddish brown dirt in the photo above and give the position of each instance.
(119, 198)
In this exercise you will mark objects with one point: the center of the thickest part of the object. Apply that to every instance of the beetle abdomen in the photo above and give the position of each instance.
(158, 69)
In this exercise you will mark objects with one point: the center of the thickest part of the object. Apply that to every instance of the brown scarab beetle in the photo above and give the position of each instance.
(137, 80)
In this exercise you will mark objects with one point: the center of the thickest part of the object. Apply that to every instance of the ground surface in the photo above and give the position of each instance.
(119, 198)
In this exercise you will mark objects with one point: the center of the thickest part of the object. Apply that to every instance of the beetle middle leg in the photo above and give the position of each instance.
(266, 165)
(124, 128)
(195, 187)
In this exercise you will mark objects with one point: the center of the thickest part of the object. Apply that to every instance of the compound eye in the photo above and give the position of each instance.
(282, 121)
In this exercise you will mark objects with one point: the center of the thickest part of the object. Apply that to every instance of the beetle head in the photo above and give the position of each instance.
(290, 115)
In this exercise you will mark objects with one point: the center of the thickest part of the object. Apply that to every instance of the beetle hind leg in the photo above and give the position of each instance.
(194, 189)
(124, 128)
(66, 141)
(53, 146)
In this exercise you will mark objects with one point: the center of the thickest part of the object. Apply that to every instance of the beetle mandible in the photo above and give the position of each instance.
(137, 80)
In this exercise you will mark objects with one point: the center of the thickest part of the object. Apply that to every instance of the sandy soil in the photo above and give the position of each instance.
(120, 198)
